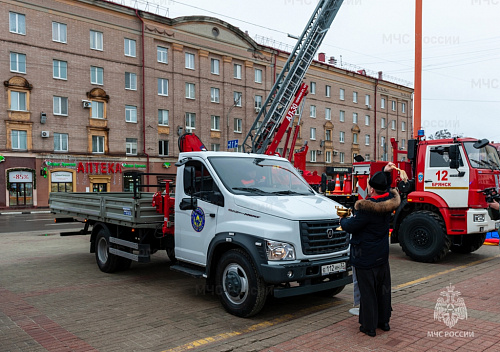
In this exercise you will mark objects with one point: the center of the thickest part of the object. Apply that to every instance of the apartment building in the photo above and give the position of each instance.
(95, 91)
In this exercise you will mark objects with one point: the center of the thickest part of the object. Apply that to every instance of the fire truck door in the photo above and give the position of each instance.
(450, 184)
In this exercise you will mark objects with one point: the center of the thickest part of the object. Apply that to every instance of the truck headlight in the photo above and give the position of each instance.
(279, 250)
(479, 218)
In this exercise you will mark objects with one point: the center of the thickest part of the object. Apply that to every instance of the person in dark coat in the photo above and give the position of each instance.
(369, 227)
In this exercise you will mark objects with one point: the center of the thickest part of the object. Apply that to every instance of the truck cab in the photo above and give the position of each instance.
(251, 225)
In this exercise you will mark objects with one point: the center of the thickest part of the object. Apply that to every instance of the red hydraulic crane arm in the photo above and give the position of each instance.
(301, 93)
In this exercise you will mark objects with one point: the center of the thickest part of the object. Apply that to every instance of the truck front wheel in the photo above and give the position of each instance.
(241, 291)
(422, 235)
(106, 261)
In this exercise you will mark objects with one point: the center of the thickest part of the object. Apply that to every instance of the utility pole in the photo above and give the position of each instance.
(417, 96)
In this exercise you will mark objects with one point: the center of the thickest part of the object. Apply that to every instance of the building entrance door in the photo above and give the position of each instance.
(21, 194)
(99, 187)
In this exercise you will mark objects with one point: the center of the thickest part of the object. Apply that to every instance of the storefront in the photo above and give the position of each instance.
(20, 187)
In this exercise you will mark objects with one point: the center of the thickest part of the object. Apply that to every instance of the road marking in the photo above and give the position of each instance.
(414, 282)
(288, 317)
(255, 327)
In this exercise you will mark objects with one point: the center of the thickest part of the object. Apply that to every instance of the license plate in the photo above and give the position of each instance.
(332, 268)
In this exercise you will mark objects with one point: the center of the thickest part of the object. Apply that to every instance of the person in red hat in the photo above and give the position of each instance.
(369, 227)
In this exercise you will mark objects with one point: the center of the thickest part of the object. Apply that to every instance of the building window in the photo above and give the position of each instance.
(403, 126)
(382, 142)
(162, 86)
(59, 69)
(382, 103)
(131, 146)
(328, 90)
(367, 139)
(17, 63)
(354, 138)
(17, 23)
(19, 140)
(328, 135)
(393, 124)
(313, 133)
(328, 157)
(258, 101)
(342, 94)
(354, 97)
(162, 54)
(312, 89)
(237, 71)
(342, 137)
(189, 61)
(342, 116)
(130, 81)
(18, 101)
(367, 100)
(354, 117)
(131, 113)
(60, 142)
(96, 75)
(403, 107)
(403, 143)
(163, 147)
(342, 157)
(237, 125)
(59, 32)
(129, 47)
(98, 144)
(60, 106)
(162, 117)
(190, 121)
(190, 94)
(382, 124)
(393, 105)
(95, 40)
(215, 123)
(214, 95)
(97, 109)
(328, 114)
(312, 111)
(313, 156)
(367, 120)
(258, 75)
(215, 147)
(237, 98)
(367, 157)
(214, 66)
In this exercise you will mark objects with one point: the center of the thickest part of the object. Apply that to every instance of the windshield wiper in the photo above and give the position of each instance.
(250, 190)
(285, 192)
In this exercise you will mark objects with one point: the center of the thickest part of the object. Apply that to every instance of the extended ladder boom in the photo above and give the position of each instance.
(284, 89)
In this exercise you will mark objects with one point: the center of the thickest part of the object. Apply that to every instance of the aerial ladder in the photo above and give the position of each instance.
(288, 91)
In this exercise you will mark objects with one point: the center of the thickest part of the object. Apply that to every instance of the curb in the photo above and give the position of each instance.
(25, 212)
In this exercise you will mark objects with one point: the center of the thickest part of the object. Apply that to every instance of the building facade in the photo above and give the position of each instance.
(95, 91)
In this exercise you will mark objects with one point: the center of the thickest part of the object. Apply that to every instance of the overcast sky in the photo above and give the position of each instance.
(461, 49)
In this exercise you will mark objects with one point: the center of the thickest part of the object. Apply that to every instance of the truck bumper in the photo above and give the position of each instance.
(305, 276)
(486, 225)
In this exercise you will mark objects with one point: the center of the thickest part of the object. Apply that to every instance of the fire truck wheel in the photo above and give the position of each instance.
(106, 261)
(171, 254)
(470, 243)
(423, 237)
(241, 291)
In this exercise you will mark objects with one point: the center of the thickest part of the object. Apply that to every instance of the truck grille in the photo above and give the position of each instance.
(320, 237)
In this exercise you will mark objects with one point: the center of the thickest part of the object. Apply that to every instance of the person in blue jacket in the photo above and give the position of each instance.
(369, 227)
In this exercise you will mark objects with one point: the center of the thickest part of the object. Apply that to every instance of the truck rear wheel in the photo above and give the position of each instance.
(241, 291)
(422, 235)
(106, 261)
(470, 243)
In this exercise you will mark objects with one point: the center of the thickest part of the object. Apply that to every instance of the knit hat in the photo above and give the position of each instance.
(378, 181)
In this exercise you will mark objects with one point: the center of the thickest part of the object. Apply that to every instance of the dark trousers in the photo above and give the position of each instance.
(375, 291)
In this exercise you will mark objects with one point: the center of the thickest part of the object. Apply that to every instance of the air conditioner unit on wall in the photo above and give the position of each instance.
(45, 134)
(257, 109)
(86, 104)
(335, 152)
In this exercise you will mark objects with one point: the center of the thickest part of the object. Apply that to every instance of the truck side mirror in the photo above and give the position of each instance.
(323, 182)
(188, 204)
(189, 176)
(454, 154)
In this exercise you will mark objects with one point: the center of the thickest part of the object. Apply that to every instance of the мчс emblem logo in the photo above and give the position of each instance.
(198, 219)
(450, 308)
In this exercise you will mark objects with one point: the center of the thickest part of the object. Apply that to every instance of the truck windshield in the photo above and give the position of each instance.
(259, 176)
(482, 158)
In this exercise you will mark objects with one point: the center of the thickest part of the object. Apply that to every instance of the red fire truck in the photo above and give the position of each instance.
(443, 204)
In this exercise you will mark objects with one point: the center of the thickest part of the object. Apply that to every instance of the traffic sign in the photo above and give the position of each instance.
(232, 144)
